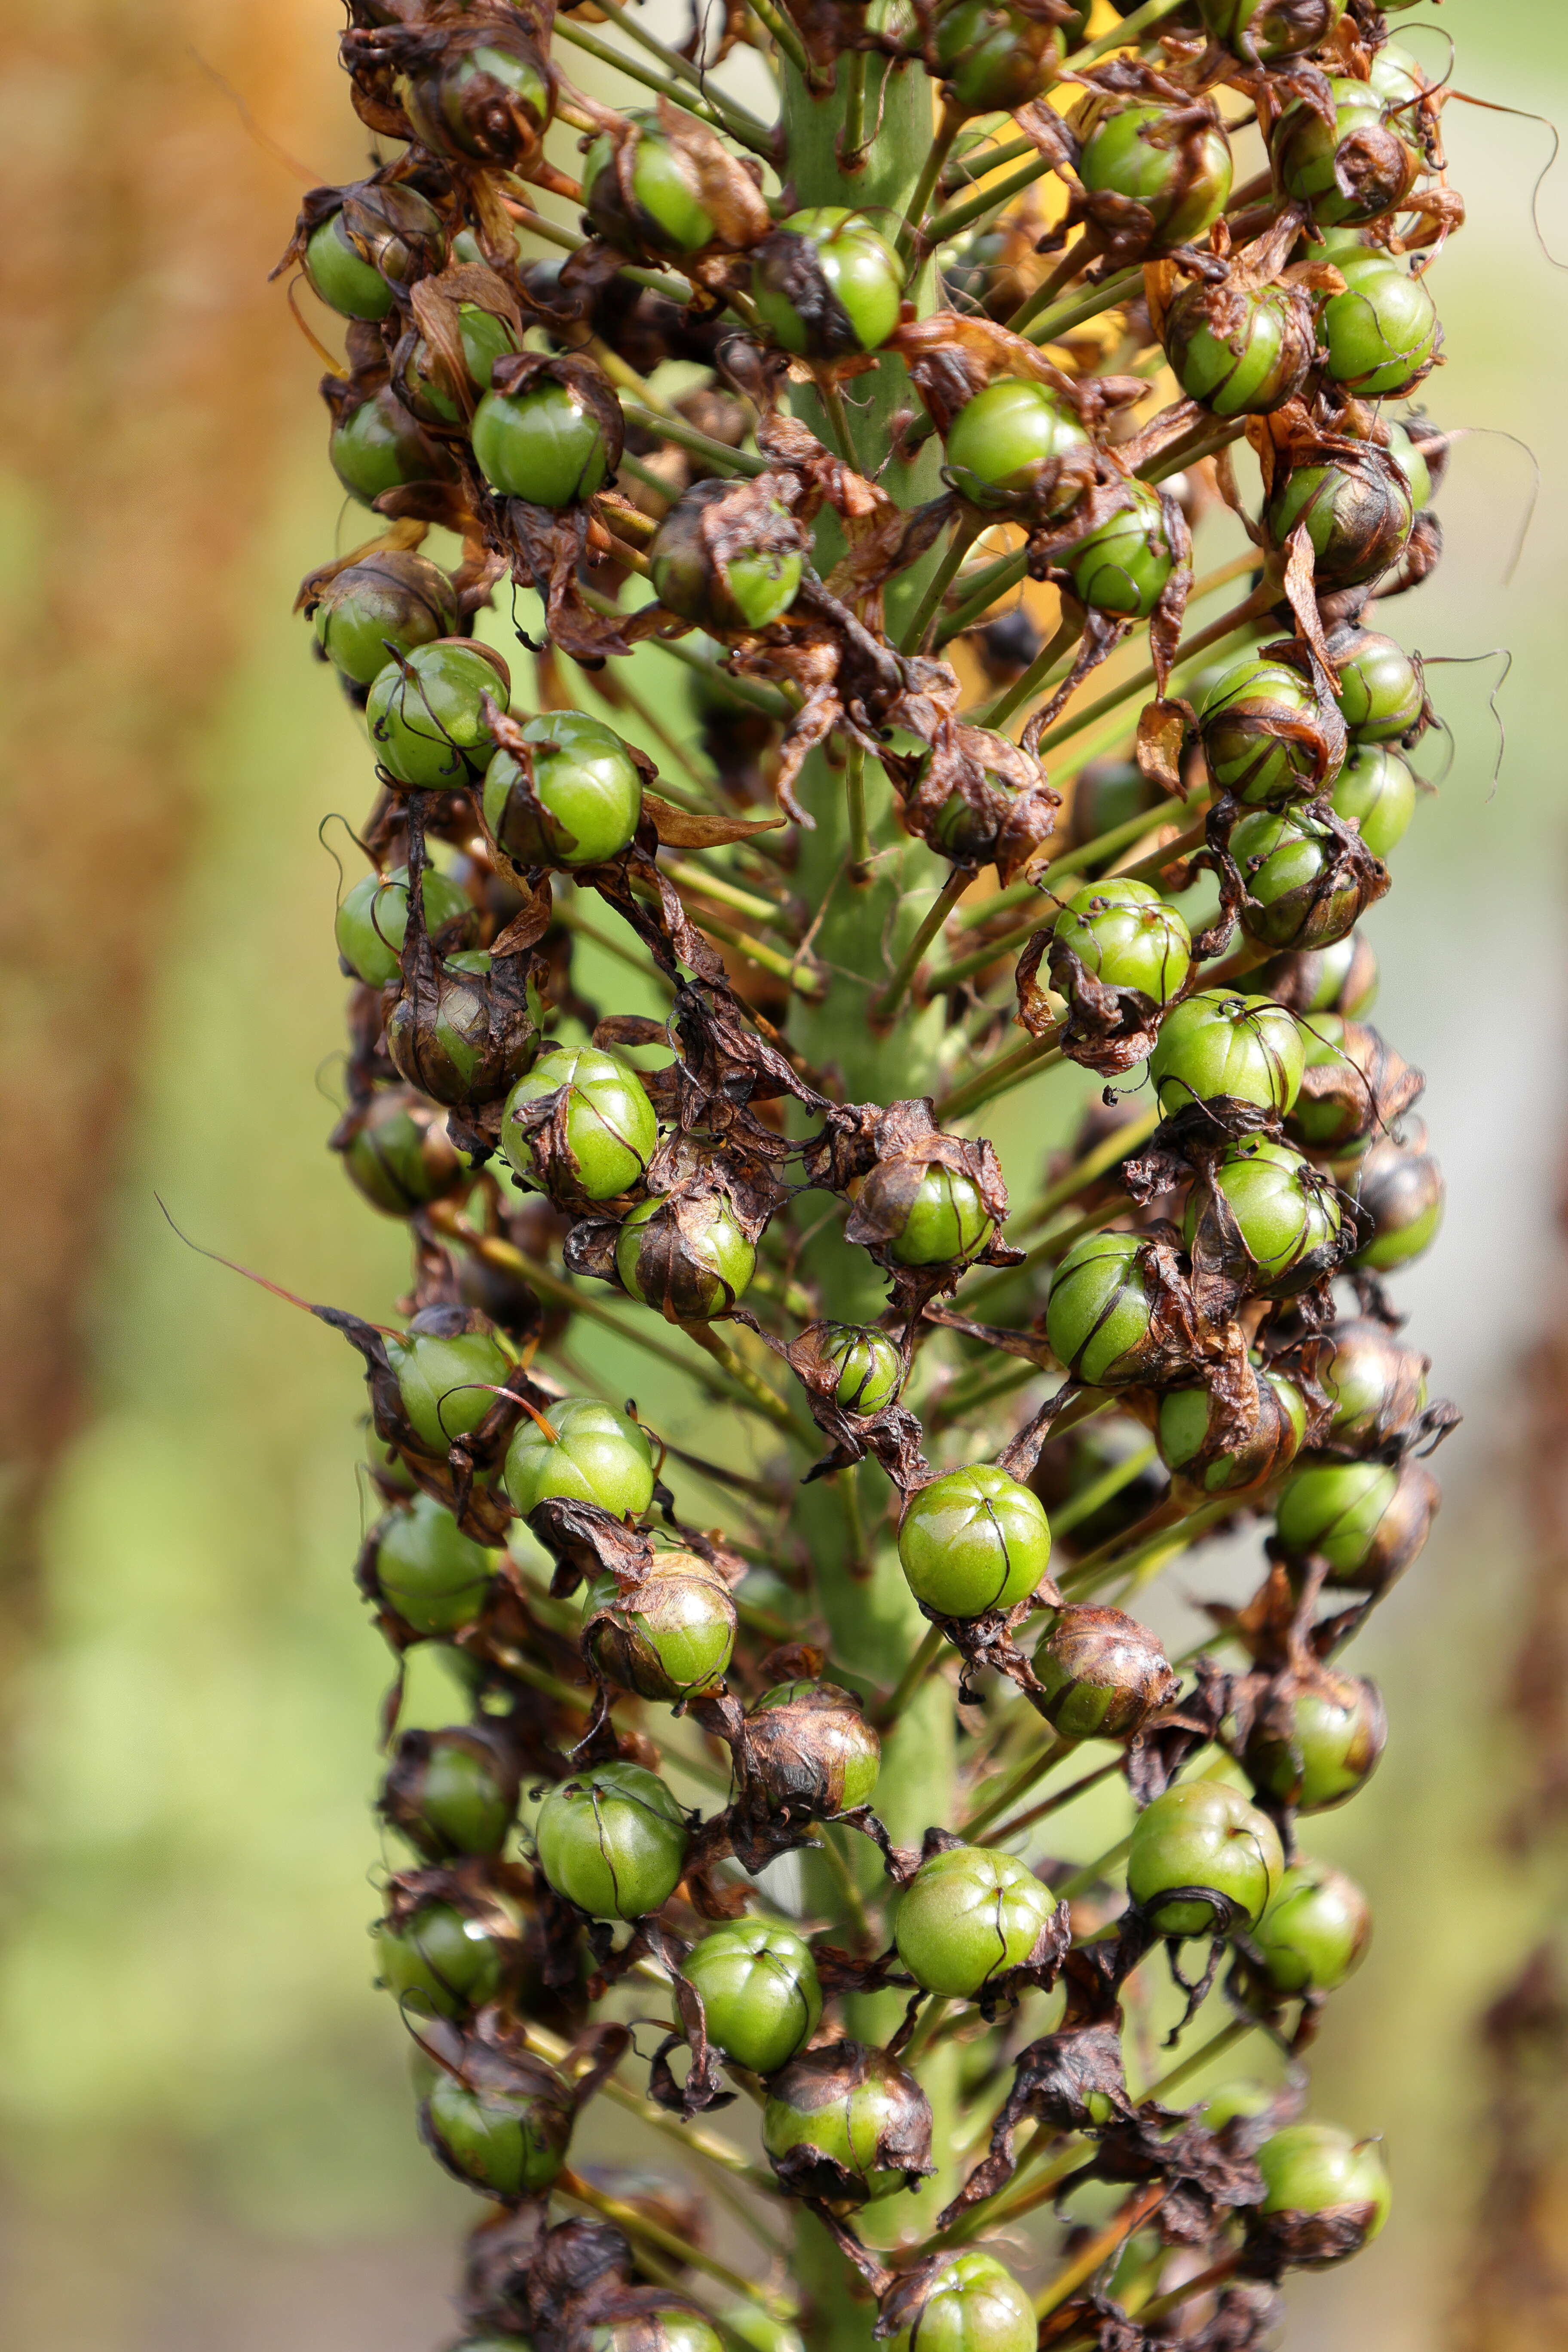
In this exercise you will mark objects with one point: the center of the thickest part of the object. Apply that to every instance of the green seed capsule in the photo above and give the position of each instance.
(1401, 1191)
(379, 240)
(1097, 1319)
(943, 1222)
(688, 1258)
(1298, 895)
(1314, 1935)
(1320, 1746)
(1358, 517)
(1138, 151)
(544, 445)
(1220, 1047)
(387, 602)
(488, 99)
(425, 1568)
(847, 2124)
(445, 1377)
(761, 1996)
(973, 1540)
(613, 1841)
(1360, 169)
(1382, 332)
(1183, 1429)
(1202, 1860)
(1103, 1674)
(1312, 2172)
(1382, 693)
(1376, 1385)
(452, 1792)
(611, 1131)
(397, 1150)
(728, 589)
(1017, 448)
(1125, 934)
(664, 213)
(1409, 454)
(966, 1918)
(1288, 1217)
(1261, 31)
(1365, 1520)
(1247, 721)
(505, 2135)
(809, 1749)
(870, 1369)
(1124, 566)
(373, 920)
(595, 1456)
(966, 2302)
(668, 1637)
(425, 715)
(1377, 791)
(1244, 356)
(1340, 979)
(825, 284)
(378, 447)
(443, 1958)
(585, 800)
(995, 57)
(422, 379)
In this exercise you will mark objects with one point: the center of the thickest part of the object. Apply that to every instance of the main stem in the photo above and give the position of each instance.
(874, 1627)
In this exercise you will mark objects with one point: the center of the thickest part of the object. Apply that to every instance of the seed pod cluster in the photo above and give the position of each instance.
(867, 1610)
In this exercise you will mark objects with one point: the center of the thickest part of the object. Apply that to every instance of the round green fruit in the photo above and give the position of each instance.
(968, 1916)
(581, 802)
(1203, 1861)
(870, 1369)
(1401, 1192)
(1102, 1674)
(1138, 151)
(1247, 722)
(964, 2302)
(373, 920)
(972, 1540)
(1018, 449)
(1382, 695)
(846, 2124)
(668, 1637)
(378, 446)
(1376, 792)
(1220, 1047)
(1124, 566)
(590, 1454)
(698, 574)
(1298, 895)
(760, 1997)
(1097, 1316)
(1183, 1428)
(1125, 935)
(451, 1792)
(447, 1378)
(1263, 31)
(1351, 173)
(1358, 517)
(436, 1578)
(825, 284)
(1246, 355)
(545, 445)
(613, 1841)
(387, 602)
(1315, 2173)
(1288, 1216)
(425, 715)
(809, 1749)
(943, 1222)
(1365, 1520)
(1315, 1748)
(507, 2138)
(655, 203)
(1382, 333)
(1314, 1935)
(689, 1258)
(442, 1959)
(995, 57)
(398, 1152)
(610, 1129)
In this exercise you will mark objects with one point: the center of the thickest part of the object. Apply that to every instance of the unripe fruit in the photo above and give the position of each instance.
(661, 2327)
(1382, 696)
(1366, 1520)
(870, 1369)
(1319, 1746)
(1255, 363)
(387, 602)
(1288, 1216)
(445, 1376)
(750, 588)
(1313, 2174)
(1265, 30)
(611, 1129)
(374, 920)
(1409, 449)
(381, 238)
(1287, 862)
(1359, 518)
(809, 1749)
(1241, 722)
(973, 1540)
(587, 798)
(995, 57)
(846, 2124)
(964, 2302)
(944, 1221)
(1344, 1117)
(442, 1959)
(1340, 979)
(613, 1841)
(825, 284)
(1401, 1191)
(1107, 794)
(434, 1576)
(1018, 447)
(760, 1997)
(1203, 1861)
(1375, 1384)
(689, 1265)
(425, 382)
(1103, 1674)
(1097, 1321)
(666, 1637)
(1361, 168)
(1125, 934)
(1382, 332)
(378, 446)
(665, 213)
(451, 1792)
(544, 445)
(397, 1151)
(1314, 1935)
(595, 1456)
(1219, 1046)
(1183, 1429)
(1183, 182)
(1376, 792)
(488, 100)
(506, 2136)
(425, 716)
(966, 1918)
(1124, 565)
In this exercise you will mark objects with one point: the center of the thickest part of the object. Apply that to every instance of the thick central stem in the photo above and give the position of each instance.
(865, 924)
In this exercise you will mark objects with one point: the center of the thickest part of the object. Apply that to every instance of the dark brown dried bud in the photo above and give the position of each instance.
(1103, 1674)
(485, 94)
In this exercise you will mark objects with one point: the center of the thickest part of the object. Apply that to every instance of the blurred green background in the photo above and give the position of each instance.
(205, 2127)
